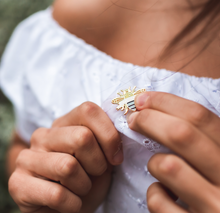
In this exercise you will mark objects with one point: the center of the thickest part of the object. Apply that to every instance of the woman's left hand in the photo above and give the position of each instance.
(191, 131)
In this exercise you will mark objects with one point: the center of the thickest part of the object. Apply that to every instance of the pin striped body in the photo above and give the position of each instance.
(127, 103)
(130, 103)
(126, 99)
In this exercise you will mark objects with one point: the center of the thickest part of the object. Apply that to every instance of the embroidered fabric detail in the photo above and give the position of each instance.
(56, 72)
(151, 145)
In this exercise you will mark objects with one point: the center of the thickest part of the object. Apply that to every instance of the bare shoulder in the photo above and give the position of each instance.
(74, 14)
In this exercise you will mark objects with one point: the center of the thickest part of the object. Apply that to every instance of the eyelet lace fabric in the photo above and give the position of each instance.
(151, 145)
(46, 72)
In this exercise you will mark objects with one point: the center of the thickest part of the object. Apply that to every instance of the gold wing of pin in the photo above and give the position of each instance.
(139, 91)
(117, 100)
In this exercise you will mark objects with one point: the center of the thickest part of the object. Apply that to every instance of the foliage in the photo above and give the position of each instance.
(11, 13)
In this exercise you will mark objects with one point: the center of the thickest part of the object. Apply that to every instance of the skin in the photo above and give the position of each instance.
(194, 135)
(77, 153)
(69, 165)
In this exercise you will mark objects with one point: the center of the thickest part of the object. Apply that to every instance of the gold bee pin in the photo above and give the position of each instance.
(126, 99)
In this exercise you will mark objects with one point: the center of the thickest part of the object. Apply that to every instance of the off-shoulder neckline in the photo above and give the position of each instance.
(83, 44)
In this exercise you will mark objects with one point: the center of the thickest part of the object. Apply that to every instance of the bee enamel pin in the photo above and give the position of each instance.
(126, 99)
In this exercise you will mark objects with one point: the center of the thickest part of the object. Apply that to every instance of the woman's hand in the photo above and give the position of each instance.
(68, 167)
(193, 132)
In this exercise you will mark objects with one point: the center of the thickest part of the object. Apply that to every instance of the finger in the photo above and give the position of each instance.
(58, 167)
(185, 182)
(92, 116)
(182, 108)
(41, 209)
(98, 192)
(28, 192)
(74, 140)
(158, 201)
(181, 137)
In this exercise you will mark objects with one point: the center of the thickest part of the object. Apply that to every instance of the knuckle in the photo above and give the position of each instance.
(85, 187)
(89, 108)
(38, 136)
(67, 166)
(14, 188)
(100, 168)
(21, 157)
(113, 140)
(170, 165)
(113, 136)
(56, 196)
(84, 137)
(181, 134)
(199, 114)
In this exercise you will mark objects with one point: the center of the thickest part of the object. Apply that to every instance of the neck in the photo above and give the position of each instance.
(157, 5)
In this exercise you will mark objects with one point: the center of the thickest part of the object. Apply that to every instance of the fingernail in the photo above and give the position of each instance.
(131, 117)
(118, 156)
(141, 99)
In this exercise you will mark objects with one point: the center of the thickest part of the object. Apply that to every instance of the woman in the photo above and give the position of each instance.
(68, 166)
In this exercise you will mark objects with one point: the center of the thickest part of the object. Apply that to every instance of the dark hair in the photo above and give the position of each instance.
(208, 14)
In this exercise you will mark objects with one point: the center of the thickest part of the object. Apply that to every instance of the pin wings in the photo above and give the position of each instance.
(121, 98)
(139, 91)
(117, 100)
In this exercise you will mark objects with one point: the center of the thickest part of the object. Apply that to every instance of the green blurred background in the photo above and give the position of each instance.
(11, 13)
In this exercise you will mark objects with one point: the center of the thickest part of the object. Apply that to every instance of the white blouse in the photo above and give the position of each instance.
(46, 72)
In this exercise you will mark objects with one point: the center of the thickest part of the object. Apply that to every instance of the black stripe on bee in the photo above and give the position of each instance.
(131, 105)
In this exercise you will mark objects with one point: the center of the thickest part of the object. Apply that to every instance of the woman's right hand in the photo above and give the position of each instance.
(68, 167)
